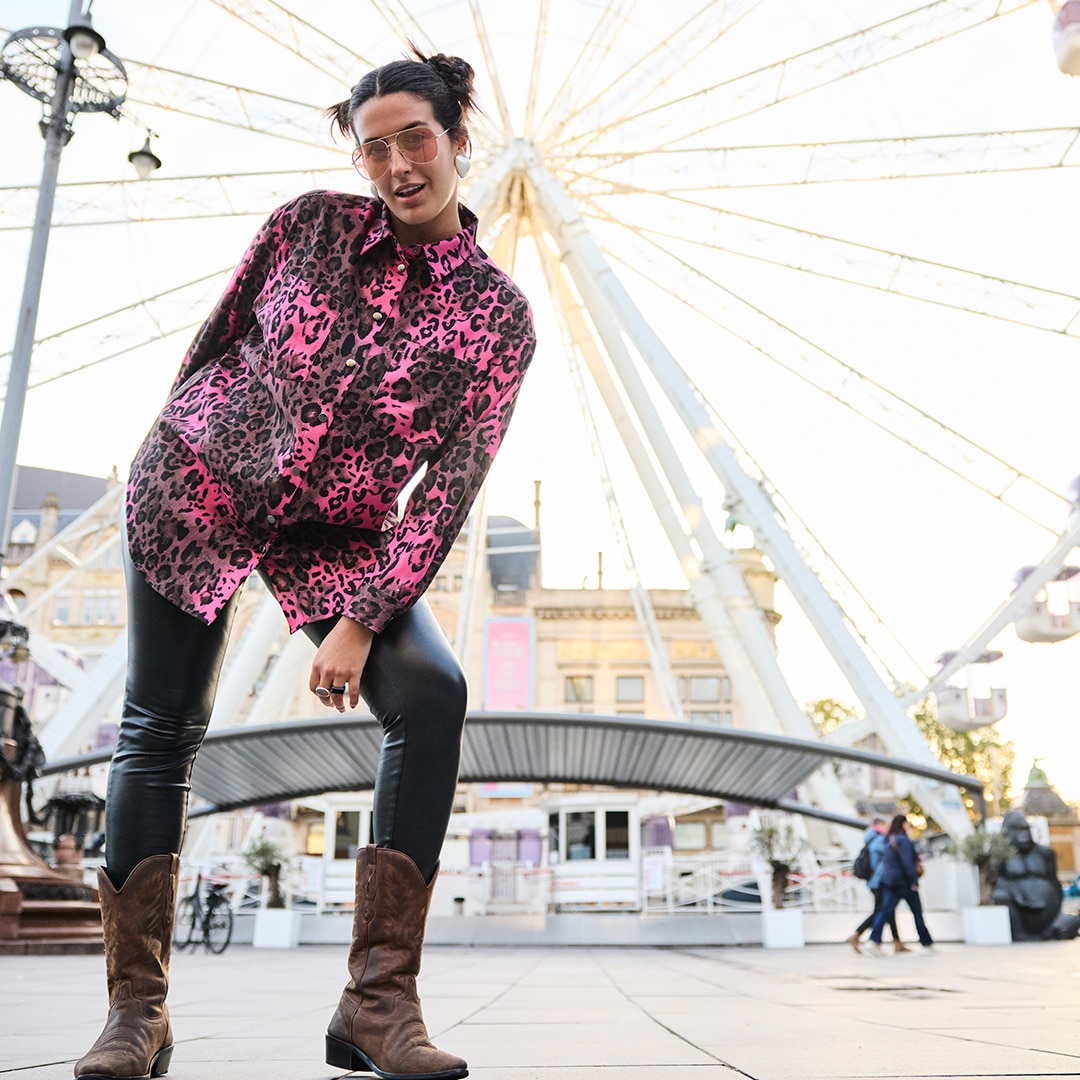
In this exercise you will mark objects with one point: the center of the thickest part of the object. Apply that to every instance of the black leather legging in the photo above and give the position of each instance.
(412, 684)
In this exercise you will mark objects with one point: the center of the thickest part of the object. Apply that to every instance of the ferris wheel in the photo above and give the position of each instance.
(762, 242)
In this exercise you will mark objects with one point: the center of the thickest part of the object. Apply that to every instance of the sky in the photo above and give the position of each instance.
(932, 556)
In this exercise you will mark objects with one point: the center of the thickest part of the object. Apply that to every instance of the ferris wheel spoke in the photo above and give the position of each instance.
(594, 50)
(405, 26)
(537, 62)
(186, 198)
(817, 367)
(675, 50)
(845, 160)
(711, 106)
(289, 31)
(493, 73)
(875, 268)
(116, 354)
(123, 330)
(225, 103)
(859, 611)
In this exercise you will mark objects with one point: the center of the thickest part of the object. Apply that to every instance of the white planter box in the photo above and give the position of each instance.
(276, 928)
(986, 925)
(782, 929)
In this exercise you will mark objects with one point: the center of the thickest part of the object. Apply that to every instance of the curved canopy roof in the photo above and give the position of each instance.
(251, 766)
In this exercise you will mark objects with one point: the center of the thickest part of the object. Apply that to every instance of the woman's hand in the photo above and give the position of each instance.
(339, 662)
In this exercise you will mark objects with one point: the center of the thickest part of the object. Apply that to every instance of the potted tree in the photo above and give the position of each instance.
(780, 847)
(987, 924)
(276, 926)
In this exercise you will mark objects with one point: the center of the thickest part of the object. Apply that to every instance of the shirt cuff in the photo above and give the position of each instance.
(374, 608)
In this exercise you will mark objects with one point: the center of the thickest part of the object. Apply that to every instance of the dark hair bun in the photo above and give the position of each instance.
(458, 75)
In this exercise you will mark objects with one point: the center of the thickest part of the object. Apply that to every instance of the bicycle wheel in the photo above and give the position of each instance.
(186, 920)
(219, 923)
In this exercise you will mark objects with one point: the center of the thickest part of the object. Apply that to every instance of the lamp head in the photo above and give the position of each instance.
(144, 160)
(83, 40)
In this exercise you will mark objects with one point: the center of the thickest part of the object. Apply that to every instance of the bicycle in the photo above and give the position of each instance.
(208, 922)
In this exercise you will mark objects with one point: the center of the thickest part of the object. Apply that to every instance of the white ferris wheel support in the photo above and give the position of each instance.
(716, 585)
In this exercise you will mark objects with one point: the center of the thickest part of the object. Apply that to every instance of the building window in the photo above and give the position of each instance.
(703, 688)
(725, 688)
(578, 688)
(705, 716)
(62, 608)
(617, 834)
(315, 843)
(629, 688)
(346, 834)
(89, 607)
(581, 835)
(689, 836)
(101, 607)
(109, 559)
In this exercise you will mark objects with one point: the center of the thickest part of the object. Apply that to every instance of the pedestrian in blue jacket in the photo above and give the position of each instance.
(875, 837)
(900, 873)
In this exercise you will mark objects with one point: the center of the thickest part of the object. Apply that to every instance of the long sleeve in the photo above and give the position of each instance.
(439, 505)
(233, 314)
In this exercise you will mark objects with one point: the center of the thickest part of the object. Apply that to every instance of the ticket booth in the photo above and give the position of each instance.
(594, 851)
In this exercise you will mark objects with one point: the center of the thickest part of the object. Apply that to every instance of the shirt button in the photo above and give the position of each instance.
(271, 520)
(401, 268)
(350, 363)
(378, 316)
(323, 418)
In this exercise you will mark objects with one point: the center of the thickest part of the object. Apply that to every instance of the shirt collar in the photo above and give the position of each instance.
(443, 256)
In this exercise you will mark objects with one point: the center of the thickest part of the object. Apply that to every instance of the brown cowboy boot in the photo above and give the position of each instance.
(137, 922)
(378, 1026)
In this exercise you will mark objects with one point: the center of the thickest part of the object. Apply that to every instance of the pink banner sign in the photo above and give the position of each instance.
(508, 664)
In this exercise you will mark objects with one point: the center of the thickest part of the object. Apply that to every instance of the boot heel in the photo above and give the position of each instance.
(342, 1056)
(160, 1065)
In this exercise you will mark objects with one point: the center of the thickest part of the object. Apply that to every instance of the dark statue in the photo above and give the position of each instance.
(1028, 883)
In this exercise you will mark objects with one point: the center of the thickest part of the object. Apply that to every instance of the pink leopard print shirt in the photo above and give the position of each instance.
(335, 366)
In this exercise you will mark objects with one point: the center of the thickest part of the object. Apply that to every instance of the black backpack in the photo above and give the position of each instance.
(862, 867)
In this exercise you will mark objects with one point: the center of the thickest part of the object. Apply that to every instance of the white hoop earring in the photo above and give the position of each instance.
(374, 191)
(463, 165)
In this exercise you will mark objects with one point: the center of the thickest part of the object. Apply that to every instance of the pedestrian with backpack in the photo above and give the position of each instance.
(901, 869)
(868, 867)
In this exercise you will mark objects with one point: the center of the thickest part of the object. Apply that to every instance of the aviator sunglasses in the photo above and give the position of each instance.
(416, 145)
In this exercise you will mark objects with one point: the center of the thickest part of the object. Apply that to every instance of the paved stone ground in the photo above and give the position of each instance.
(596, 1013)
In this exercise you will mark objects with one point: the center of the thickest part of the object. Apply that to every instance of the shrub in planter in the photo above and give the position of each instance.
(267, 860)
(986, 852)
(780, 846)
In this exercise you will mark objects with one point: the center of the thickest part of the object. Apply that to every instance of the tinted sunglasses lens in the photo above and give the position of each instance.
(418, 146)
(371, 160)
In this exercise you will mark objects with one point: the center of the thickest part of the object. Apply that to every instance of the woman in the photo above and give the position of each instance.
(900, 872)
(361, 342)
(874, 841)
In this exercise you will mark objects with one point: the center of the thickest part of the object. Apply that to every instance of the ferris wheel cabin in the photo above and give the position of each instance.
(1066, 36)
(974, 697)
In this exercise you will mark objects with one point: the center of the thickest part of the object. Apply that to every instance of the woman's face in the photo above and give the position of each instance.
(421, 197)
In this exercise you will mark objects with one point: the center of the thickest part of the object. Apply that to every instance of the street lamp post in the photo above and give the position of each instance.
(69, 71)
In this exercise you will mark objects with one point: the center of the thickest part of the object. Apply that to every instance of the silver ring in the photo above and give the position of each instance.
(337, 689)
(322, 692)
